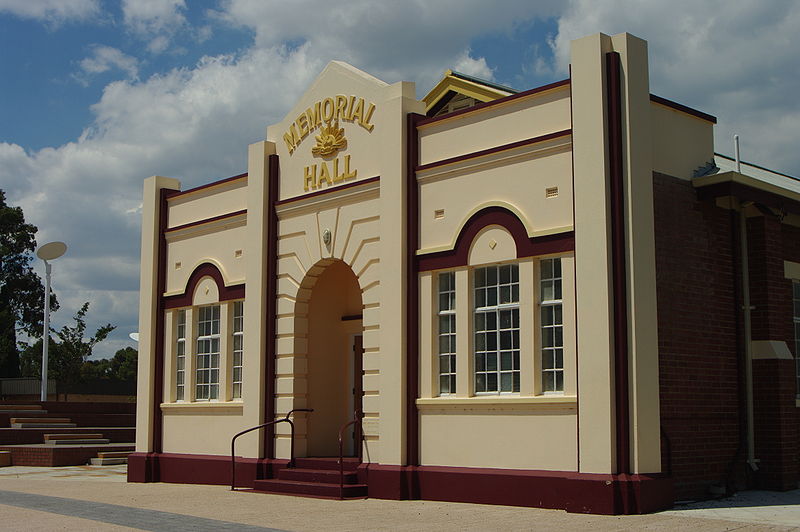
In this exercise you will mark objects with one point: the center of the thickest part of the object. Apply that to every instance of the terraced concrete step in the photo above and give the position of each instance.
(67, 436)
(40, 420)
(108, 461)
(113, 454)
(88, 441)
(6, 408)
(43, 425)
(20, 411)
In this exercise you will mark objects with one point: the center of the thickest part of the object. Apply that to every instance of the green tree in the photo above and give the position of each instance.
(96, 369)
(21, 290)
(68, 351)
(124, 364)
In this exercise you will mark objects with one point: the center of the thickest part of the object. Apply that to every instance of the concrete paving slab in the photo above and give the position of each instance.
(106, 485)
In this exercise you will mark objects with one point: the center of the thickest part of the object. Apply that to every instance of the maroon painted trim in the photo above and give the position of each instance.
(740, 190)
(226, 293)
(496, 149)
(571, 491)
(199, 469)
(328, 190)
(161, 283)
(178, 193)
(686, 109)
(575, 289)
(619, 272)
(412, 288)
(425, 121)
(526, 246)
(206, 220)
(270, 328)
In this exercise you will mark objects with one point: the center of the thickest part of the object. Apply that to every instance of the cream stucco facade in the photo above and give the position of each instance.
(480, 285)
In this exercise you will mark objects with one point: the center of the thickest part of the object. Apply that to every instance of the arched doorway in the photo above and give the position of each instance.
(334, 358)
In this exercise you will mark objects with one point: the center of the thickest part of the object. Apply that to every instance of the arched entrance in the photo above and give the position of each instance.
(334, 358)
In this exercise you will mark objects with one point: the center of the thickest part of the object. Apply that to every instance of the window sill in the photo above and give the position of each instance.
(233, 407)
(499, 402)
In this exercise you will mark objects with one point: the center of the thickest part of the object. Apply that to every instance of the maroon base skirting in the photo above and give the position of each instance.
(570, 491)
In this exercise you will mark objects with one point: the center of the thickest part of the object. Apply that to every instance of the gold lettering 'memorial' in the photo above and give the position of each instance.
(329, 141)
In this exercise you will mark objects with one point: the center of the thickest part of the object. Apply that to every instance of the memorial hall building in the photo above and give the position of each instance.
(560, 297)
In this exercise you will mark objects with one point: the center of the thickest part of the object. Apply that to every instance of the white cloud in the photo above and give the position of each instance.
(51, 11)
(736, 60)
(154, 20)
(466, 64)
(105, 58)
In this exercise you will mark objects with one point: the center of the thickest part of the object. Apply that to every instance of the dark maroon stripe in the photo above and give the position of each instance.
(526, 246)
(412, 280)
(206, 220)
(619, 273)
(226, 293)
(575, 287)
(684, 108)
(328, 190)
(158, 379)
(272, 305)
(425, 121)
(489, 151)
(178, 193)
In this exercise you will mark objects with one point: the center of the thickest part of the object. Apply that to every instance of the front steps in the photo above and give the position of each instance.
(41, 423)
(316, 477)
(110, 458)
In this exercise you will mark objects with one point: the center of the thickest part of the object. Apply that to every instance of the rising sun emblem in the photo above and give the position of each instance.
(329, 141)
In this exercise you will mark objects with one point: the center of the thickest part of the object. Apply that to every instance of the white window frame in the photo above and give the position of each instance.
(496, 358)
(207, 358)
(237, 365)
(446, 332)
(550, 321)
(180, 355)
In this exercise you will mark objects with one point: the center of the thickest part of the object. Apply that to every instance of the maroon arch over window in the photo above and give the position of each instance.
(206, 269)
(526, 246)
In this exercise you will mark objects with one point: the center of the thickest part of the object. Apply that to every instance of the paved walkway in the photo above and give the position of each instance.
(85, 498)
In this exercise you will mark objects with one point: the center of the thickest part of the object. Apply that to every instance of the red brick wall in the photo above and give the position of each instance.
(697, 335)
(700, 344)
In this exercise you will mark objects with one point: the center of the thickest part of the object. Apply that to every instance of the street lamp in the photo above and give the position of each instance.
(49, 251)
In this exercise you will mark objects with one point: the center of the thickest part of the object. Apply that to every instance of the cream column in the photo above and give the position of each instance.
(594, 297)
(641, 263)
(255, 303)
(148, 307)
(393, 208)
(465, 368)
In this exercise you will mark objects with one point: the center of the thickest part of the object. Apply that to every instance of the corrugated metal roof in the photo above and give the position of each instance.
(728, 164)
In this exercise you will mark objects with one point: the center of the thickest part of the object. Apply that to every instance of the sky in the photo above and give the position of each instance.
(98, 95)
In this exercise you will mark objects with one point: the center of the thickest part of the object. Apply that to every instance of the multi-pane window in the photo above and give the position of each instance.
(497, 329)
(180, 356)
(796, 301)
(207, 355)
(551, 326)
(447, 333)
(238, 348)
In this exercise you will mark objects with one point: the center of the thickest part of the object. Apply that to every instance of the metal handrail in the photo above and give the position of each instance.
(268, 423)
(357, 419)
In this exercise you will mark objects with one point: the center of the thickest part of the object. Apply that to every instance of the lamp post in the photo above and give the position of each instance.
(48, 252)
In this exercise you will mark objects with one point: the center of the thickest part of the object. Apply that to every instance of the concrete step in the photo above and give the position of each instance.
(317, 489)
(26, 408)
(87, 441)
(325, 476)
(40, 420)
(43, 425)
(67, 436)
(113, 454)
(21, 412)
(350, 463)
(5, 458)
(108, 461)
